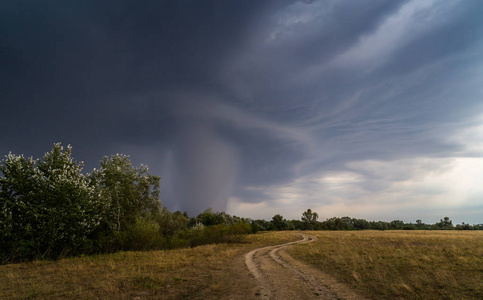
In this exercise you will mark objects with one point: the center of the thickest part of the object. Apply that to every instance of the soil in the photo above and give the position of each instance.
(273, 274)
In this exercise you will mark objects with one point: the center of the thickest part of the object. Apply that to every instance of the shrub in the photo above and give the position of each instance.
(144, 234)
(238, 232)
(202, 235)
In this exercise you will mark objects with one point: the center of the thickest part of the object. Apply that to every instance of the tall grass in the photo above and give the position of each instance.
(401, 264)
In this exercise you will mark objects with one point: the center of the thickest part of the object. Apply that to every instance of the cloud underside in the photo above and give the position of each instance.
(369, 109)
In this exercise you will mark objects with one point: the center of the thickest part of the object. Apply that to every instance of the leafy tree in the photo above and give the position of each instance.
(445, 223)
(298, 225)
(396, 224)
(127, 193)
(465, 226)
(310, 219)
(419, 224)
(279, 223)
(210, 218)
(360, 224)
(171, 223)
(18, 207)
(336, 224)
(262, 224)
(48, 207)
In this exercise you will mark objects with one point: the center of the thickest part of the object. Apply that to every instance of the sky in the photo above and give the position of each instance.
(370, 109)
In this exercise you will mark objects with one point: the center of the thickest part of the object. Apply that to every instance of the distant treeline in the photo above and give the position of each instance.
(347, 223)
(50, 209)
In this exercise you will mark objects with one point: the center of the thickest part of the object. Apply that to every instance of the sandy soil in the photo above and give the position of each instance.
(278, 276)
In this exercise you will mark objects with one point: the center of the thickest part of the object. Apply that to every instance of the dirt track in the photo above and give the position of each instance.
(278, 276)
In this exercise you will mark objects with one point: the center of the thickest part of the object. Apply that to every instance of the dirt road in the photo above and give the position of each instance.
(278, 276)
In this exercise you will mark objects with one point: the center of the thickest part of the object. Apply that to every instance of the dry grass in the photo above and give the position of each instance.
(380, 265)
(401, 264)
(203, 272)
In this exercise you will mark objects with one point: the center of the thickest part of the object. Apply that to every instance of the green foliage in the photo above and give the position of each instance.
(49, 208)
(171, 223)
(262, 225)
(126, 192)
(279, 223)
(144, 234)
(445, 223)
(310, 219)
(336, 224)
(347, 223)
(210, 218)
(396, 224)
(254, 227)
(220, 233)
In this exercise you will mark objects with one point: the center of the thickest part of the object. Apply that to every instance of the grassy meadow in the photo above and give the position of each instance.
(377, 264)
(204, 272)
(400, 264)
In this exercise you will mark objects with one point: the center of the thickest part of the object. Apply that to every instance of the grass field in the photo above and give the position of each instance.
(401, 264)
(205, 272)
(378, 264)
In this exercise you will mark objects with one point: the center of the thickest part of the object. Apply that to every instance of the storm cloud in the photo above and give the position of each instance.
(371, 109)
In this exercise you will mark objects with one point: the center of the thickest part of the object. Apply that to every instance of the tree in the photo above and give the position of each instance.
(48, 207)
(17, 207)
(171, 223)
(445, 223)
(420, 224)
(396, 224)
(210, 218)
(279, 223)
(126, 192)
(310, 219)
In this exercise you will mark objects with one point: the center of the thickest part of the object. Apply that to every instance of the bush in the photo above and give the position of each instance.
(143, 235)
(216, 234)
(238, 232)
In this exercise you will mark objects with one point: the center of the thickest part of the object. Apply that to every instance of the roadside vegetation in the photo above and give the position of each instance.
(400, 264)
(205, 272)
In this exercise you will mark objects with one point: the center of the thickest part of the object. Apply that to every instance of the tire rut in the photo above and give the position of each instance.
(280, 277)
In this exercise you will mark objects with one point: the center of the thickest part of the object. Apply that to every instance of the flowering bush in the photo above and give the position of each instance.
(48, 207)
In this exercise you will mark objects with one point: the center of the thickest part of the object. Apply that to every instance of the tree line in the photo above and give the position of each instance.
(309, 222)
(50, 209)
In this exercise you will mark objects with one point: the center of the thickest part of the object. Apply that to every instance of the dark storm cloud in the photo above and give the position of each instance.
(83, 68)
(250, 105)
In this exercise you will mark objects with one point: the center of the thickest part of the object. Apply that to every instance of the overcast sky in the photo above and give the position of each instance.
(369, 109)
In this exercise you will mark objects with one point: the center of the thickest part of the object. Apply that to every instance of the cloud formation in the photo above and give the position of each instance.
(371, 110)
